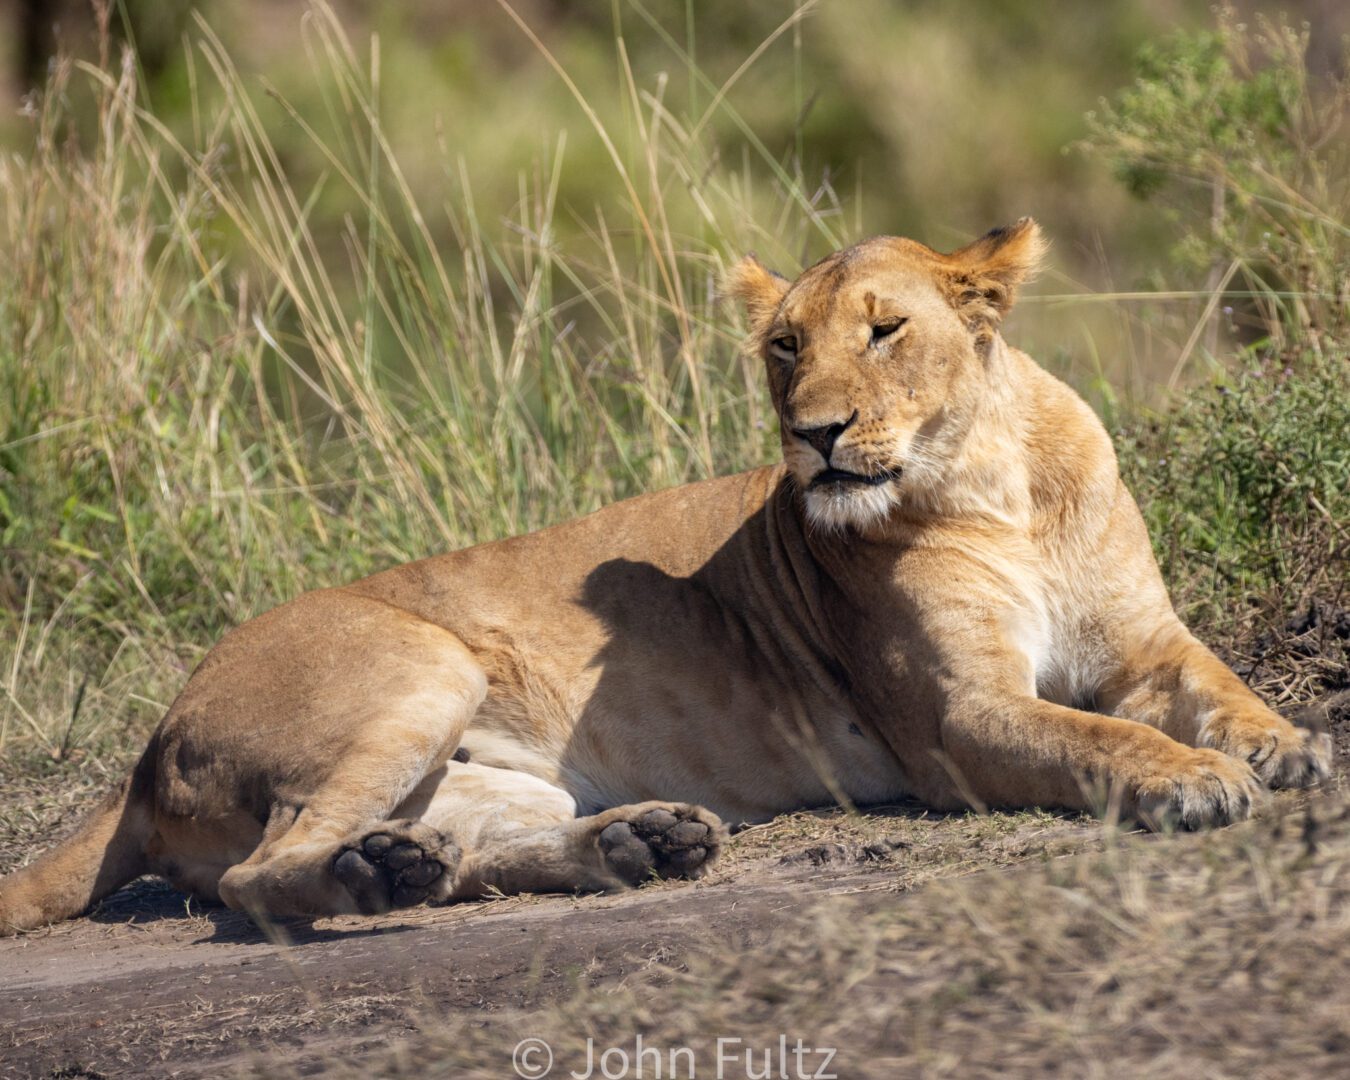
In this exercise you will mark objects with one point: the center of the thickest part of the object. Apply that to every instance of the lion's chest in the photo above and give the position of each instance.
(1052, 631)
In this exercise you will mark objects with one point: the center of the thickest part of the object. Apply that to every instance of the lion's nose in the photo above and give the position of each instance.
(824, 437)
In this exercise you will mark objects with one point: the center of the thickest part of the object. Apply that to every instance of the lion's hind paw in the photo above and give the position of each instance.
(663, 840)
(396, 865)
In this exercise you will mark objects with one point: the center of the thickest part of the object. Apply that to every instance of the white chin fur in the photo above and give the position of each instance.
(838, 507)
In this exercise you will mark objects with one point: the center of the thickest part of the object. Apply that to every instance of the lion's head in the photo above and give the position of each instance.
(878, 360)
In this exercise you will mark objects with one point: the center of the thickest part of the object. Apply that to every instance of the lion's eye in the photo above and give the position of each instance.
(886, 328)
(787, 344)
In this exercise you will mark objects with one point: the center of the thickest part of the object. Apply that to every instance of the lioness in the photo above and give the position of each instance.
(944, 591)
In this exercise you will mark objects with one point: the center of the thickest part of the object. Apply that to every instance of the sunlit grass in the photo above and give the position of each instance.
(211, 407)
(209, 402)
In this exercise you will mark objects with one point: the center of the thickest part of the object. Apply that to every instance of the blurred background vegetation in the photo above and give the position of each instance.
(294, 291)
(922, 118)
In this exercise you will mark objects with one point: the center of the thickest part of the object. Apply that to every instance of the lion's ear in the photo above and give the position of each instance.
(987, 273)
(758, 289)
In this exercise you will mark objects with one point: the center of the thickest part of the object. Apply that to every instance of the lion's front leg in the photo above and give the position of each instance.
(1175, 684)
(1011, 750)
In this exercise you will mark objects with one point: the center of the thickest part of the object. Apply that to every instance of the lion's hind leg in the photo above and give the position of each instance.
(311, 869)
(335, 841)
(340, 854)
(519, 834)
(617, 849)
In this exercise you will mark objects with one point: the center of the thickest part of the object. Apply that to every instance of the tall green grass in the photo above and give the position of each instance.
(205, 407)
(208, 405)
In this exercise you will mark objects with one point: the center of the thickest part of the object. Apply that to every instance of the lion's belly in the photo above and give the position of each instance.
(744, 751)
(656, 649)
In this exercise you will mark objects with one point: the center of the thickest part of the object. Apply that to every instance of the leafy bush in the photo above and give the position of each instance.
(1246, 486)
(1251, 153)
(1244, 482)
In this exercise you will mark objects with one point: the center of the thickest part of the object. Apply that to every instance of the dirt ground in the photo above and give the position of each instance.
(154, 985)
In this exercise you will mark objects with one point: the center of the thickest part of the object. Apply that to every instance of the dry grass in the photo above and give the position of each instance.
(908, 844)
(1225, 954)
(38, 807)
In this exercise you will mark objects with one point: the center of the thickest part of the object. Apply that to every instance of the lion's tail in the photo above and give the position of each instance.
(104, 853)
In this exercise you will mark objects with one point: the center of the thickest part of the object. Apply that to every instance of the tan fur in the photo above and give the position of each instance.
(966, 611)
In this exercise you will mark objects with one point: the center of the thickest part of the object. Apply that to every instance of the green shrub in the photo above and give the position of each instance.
(1244, 481)
(1249, 152)
(1246, 486)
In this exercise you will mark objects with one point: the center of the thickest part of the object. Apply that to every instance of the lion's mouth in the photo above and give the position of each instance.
(843, 476)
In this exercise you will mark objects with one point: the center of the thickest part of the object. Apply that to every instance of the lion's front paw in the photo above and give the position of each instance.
(661, 840)
(397, 864)
(1282, 755)
(1204, 789)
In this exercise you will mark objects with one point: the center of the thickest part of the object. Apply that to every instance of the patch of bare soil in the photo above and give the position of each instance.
(152, 985)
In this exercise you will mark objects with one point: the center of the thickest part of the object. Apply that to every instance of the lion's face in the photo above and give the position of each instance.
(877, 362)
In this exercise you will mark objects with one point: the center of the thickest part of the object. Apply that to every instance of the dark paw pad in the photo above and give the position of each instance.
(659, 843)
(392, 870)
